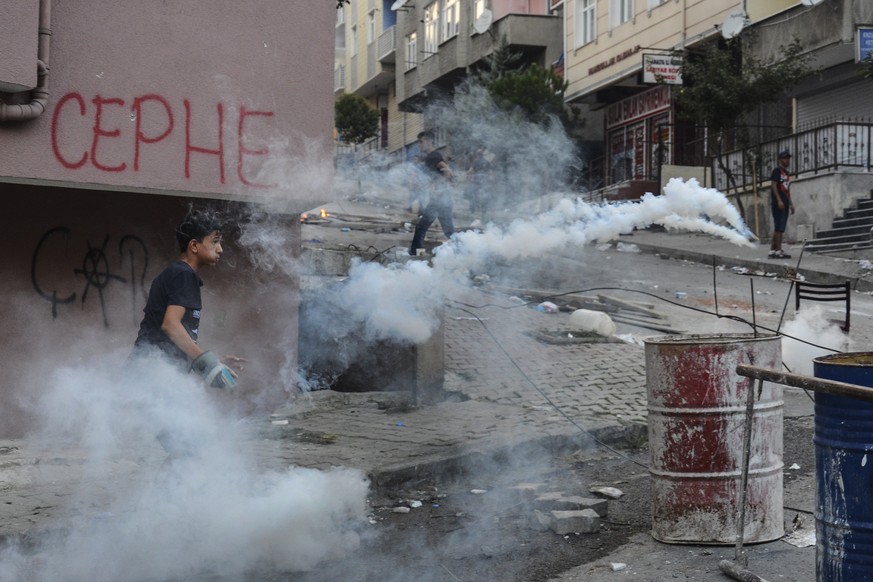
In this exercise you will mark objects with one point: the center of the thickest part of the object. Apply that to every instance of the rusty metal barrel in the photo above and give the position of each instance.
(696, 425)
(844, 472)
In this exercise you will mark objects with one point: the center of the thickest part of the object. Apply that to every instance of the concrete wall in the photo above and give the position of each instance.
(154, 106)
(18, 42)
(75, 276)
(195, 97)
(818, 200)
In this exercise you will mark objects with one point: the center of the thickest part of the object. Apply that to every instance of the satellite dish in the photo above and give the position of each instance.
(733, 25)
(398, 4)
(483, 23)
(811, 2)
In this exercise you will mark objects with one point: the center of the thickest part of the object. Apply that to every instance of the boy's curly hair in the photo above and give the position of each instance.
(197, 225)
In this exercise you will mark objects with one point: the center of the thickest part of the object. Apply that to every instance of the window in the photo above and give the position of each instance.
(478, 8)
(585, 19)
(371, 27)
(411, 50)
(620, 11)
(655, 3)
(431, 29)
(340, 15)
(353, 40)
(451, 18)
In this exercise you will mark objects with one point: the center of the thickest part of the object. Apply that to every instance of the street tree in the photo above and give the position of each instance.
(725, 82)
(355, 119)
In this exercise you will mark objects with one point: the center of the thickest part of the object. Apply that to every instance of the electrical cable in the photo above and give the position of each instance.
(664, 299)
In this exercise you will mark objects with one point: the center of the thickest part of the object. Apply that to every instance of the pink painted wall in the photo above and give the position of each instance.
(18, 42)
(501, 8)
(154, 105)
(215, 98)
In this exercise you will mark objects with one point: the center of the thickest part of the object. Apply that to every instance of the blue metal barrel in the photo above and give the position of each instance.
(844, 472)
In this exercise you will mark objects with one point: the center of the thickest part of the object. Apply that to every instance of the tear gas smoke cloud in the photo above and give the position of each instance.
(208, 511)
(399, 301)
(810, 325)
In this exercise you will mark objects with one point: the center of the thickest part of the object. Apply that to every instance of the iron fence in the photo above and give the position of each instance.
(828, 147)
(825, 147)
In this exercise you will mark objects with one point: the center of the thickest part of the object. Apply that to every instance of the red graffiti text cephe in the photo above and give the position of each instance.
(113, 134)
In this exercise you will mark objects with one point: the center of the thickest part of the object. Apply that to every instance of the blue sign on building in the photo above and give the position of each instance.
(863, 42)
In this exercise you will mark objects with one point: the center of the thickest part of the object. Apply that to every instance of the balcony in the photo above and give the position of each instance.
(339, 79)
(386, 46)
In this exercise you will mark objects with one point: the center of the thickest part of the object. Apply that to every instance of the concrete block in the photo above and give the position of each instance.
(550, 496)
(566, 522)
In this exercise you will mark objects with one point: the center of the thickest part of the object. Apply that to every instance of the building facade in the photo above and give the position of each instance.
(366, 65)
(115, 118)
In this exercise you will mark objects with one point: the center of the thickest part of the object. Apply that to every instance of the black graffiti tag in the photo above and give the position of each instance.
(96, 271)
(53, 296)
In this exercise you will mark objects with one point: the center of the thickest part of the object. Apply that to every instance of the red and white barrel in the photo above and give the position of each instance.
(696, 424)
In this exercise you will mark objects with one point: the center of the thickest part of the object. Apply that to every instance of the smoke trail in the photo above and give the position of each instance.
(207, 509)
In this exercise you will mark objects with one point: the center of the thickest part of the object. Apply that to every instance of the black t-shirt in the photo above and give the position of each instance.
(432, 161)
(782, 180)
(178, 284)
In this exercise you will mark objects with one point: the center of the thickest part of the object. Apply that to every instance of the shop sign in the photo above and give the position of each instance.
(662, 69)
(639, 106)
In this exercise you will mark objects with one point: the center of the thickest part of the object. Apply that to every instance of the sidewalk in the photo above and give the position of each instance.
(701, 248)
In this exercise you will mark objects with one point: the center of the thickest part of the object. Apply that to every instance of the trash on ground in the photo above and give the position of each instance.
(617, 566)
(547, 307)
(611, 492)
(594, 321)
(740, 270)
(415, 504)
(794, 467)
(478, 491)
(627, 248)
(400, 509)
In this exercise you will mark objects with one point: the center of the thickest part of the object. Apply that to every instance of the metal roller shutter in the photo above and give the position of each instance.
(844, 102)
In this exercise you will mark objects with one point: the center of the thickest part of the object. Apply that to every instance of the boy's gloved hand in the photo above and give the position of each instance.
(213, 372)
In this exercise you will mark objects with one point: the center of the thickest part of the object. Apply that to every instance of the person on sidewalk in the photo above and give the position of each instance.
(171, 321)
(439, 205)
(780, 204)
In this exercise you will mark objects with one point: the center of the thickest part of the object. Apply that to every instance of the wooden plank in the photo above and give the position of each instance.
(630, 306)
(657, 327)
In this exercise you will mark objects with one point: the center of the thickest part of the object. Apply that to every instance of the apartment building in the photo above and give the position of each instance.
(115, 117)
(621, 61)
(366, 64)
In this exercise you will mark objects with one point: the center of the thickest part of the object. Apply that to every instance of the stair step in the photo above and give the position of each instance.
(837, 247)
(865, 204)
(859, 213)
(850, 222)
(862, 229)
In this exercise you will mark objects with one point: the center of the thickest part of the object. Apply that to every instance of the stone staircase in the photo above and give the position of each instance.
(852, 232)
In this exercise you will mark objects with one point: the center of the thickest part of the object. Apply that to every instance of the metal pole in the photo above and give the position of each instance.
(806, 382)
(739, 557)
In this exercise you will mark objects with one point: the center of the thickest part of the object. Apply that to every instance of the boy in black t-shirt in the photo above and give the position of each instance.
(171, 323)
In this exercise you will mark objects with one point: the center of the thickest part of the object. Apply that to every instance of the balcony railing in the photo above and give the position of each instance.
(387, 45)
(339, 78)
